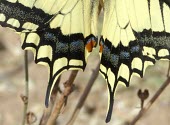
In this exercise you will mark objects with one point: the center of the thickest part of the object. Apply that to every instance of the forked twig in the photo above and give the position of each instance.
(84, 95)
(152, 100)
(25, 97)
(57, 107)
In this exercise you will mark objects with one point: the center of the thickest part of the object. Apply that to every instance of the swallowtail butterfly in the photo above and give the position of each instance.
(62, 33)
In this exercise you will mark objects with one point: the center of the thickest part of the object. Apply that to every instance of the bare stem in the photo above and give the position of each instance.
(84, 95)
(152, 100)
(57, 107)
(47, 111)
(26, 88)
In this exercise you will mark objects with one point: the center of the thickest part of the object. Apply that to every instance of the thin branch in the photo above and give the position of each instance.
(55, 91)
(57, 108)
(84, 95)
(47, 111)
(152, 100)
(25, 98)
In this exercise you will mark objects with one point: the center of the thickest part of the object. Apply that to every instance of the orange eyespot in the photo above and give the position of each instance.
(94, 43)
(90, 45)
(101, 48)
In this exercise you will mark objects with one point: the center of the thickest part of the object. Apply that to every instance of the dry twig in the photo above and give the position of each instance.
(25, 98)
(57, 107)
(47, 111)
(152, 100)
(143, 96)
(84, 95)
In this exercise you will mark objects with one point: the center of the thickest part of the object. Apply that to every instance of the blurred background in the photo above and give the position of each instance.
(127, 103)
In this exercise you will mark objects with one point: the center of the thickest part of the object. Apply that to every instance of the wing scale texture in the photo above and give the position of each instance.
(135, 34)
(62, 33)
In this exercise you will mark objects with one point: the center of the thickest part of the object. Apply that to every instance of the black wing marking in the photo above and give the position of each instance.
(20, 17)
(135, 34)
(60, 34)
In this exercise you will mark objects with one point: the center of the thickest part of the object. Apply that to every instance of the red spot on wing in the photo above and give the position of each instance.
(101, 48)
(90, 45)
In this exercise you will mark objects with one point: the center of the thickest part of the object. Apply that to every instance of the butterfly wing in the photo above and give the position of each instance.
(24, 14)
(135, 34)
(61, 33)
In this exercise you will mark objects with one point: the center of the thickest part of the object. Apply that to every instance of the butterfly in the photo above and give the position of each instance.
(62, 34)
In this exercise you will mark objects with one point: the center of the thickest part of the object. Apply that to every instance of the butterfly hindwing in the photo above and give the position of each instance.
(61, 33)
(135, 34)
